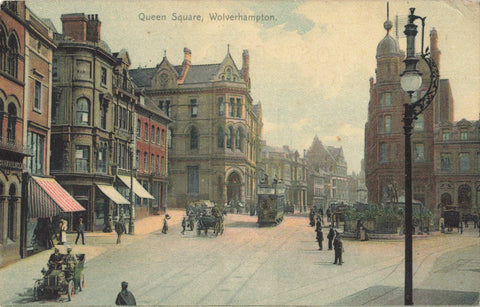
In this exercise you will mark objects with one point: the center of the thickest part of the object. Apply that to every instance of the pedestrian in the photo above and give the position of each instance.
(320, 238)
(120, 229)
(165, 223)
(63, 231)
(330, 236)
(312, 217)
(125, 297)
(338, 246)
(80, 231)
(184, 224)
(49, 234)
(318, 225)
(329, 213)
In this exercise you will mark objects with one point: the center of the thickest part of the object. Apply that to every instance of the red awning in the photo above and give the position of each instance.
(47, 198)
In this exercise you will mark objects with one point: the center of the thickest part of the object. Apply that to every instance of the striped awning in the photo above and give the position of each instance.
(113, 194)
(137, 187)
(47, 198)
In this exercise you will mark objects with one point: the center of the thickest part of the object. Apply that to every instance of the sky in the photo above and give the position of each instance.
(310, 61)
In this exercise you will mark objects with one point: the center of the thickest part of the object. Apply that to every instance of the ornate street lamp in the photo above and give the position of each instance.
(411, 81)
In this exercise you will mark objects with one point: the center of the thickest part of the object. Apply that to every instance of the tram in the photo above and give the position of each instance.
(271, 203)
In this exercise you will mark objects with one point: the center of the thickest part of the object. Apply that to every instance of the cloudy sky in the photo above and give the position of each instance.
(310, 64)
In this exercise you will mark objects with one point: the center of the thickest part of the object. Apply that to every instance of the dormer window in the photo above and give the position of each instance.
(464, 135)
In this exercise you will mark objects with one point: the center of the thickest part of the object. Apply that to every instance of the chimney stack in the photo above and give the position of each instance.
(246, 67)
(93, 28)
(187, 62)
(75, 26)
(434, 47)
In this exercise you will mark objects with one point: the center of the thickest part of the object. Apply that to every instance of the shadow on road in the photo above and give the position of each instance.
(242, 225)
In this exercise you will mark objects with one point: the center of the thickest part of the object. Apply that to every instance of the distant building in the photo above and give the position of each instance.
(214, 139)
(286, 165)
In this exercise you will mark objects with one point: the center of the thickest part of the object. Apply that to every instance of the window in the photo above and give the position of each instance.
(146, 131)
(152, 163)
(145, 162)
(232, 107)
(419, 123)
(104, 76)
(380, 124)
(419, 152)
(12, 56)
(221, 138)
(153, 134)
(83, 70)
(193, 108)
(445, 135)
(388, 124)
(221, 106)
(229, 137)
(464, 161)
(383, 152)
(194, 138)
(12, 122)
(162, 166)
(169, 137)
(83, 112)
(36, 150)
(239, 108)
(162, 140)
(238, 139)
(82, 159)
(159, 140)
(38, 96)
(157, 166)
(102, 159)
(386, 99)
(54, 69)
(446, 161)
(137, 159)
(139, 128)
(103, 116)
(229, 74)
(193, 179)
(464, 135)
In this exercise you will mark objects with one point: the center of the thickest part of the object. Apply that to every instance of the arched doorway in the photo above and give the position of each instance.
(234, 187)
(446, 200)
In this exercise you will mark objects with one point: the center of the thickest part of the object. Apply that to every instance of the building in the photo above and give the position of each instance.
(214, 140)
(286, 165)
(12, 150)
(328, 164)
(457, 165)
(384, 138)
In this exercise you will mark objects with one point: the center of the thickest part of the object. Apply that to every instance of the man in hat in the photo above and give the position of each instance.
(320, 237)
(71, 261)
(338, 246)
(330, 236)
(120, 229)
(55, 261)
(125, 297)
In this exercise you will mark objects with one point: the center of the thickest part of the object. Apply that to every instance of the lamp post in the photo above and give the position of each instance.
(411, 81)
(131, 224)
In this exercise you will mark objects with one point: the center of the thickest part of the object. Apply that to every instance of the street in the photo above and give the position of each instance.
(248, 265)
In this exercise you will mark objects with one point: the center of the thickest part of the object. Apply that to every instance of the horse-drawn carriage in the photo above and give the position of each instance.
(207, 215)
(61, 279)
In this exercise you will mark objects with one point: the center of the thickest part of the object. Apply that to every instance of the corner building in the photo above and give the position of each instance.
(214, 140)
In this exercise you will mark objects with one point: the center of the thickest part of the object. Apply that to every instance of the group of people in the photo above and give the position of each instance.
(57, 259)
(334, 237)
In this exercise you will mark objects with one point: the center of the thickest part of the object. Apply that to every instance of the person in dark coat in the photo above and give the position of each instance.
(330, 236)
(49, 234)
(125, 297)
(338, 245)
(184, 224)
(165, 223)
(80, 231)
(320, 237)
(312, 217)
(120, 230)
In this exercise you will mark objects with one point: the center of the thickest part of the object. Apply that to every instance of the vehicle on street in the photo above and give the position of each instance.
(271, 203)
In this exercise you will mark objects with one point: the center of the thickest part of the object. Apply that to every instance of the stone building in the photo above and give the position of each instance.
(384, 138)
(214, 139)
(286, 165)
(329, 163)
(457, 165)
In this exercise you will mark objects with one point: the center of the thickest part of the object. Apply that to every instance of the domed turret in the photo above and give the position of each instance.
(388, 45)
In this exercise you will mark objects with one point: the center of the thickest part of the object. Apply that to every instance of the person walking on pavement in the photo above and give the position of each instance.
(49, 234)
(63, 231)
(320, 237)
(80, 231)
(120, 230)
(184, 224)
(125, 297)
(165, 223)
(330, 236)
(338, 245)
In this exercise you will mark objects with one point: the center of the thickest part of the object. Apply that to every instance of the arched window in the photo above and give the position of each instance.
(194, 138)
(232, 107)
(103, 116)
(239, 108)
(12, 121)
(464, 195)
(221, 106)
(3, 47)
(169, 138)
(12, 56)
(83, 112)
(238, 139)
(221, 138)
(229, 137)
(158, 136)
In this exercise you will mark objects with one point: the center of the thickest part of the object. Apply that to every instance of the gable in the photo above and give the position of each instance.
(165, 76)
(228, 71)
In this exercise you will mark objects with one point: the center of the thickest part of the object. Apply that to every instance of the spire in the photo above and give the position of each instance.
(228, 48)
(388, 24)
(164, 53)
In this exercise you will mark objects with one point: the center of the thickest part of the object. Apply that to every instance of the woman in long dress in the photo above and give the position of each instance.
(63, 231)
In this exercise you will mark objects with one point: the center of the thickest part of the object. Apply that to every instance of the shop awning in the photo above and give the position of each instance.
(113, 194)
(48, 198)
(137, 187)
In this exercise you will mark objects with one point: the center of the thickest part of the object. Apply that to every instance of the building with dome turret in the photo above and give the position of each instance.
(384, 138)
